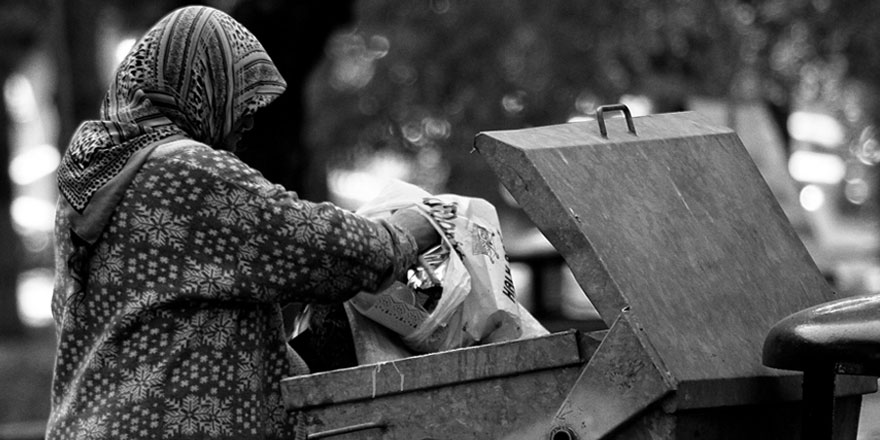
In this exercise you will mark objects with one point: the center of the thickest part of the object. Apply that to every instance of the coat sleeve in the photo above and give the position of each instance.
(269, 245)
(317, 252)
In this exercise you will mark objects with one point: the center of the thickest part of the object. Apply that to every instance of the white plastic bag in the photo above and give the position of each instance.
(490, 312)
(478, 302)
(396, 308)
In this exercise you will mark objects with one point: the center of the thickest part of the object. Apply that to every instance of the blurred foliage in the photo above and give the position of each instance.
(294, 34)
(419, 79)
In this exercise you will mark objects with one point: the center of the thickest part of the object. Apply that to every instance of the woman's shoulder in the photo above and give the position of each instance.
(187, 158)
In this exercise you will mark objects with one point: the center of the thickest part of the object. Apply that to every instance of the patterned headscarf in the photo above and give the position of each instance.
(194, 74)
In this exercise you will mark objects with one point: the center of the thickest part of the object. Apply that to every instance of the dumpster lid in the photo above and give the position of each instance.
(670, 219)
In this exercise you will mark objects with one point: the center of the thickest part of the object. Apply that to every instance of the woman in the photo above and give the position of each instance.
(174, 258)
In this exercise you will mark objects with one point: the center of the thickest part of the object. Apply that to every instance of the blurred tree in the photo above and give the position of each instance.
(822, 56)
(10, 323)
(294, 34)
(19, 30)
(420, 79)
(842, 67)
(76, 55)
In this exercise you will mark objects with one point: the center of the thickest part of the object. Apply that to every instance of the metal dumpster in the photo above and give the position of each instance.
(479, 392)
(676, 239)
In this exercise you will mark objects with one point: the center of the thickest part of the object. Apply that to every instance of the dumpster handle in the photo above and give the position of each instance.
(348, 429)
(600, 118)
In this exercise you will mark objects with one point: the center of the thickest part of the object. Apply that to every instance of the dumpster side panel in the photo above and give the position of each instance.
(511, 407)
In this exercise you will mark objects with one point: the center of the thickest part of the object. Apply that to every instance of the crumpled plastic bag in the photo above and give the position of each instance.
(478, 300)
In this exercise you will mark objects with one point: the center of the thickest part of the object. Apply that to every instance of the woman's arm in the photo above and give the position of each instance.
(266, 244)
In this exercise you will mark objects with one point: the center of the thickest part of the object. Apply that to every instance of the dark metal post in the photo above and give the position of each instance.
(818, 402)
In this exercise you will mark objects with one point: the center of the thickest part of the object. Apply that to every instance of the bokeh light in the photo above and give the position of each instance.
(34, 295)
(122, 49)
(812, 198)
(18, 94)
(33, 164)
(815, 167)
(816, 128)
(33, 214)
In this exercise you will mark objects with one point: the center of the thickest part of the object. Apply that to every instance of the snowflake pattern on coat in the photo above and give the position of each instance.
(178, 332)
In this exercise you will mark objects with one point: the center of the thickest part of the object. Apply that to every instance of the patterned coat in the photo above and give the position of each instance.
(178, 333)
(173, 258)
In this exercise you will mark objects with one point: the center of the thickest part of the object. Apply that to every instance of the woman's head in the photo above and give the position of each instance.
(199, 70)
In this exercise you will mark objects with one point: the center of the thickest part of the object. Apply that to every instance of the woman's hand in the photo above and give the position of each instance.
(411, 220)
